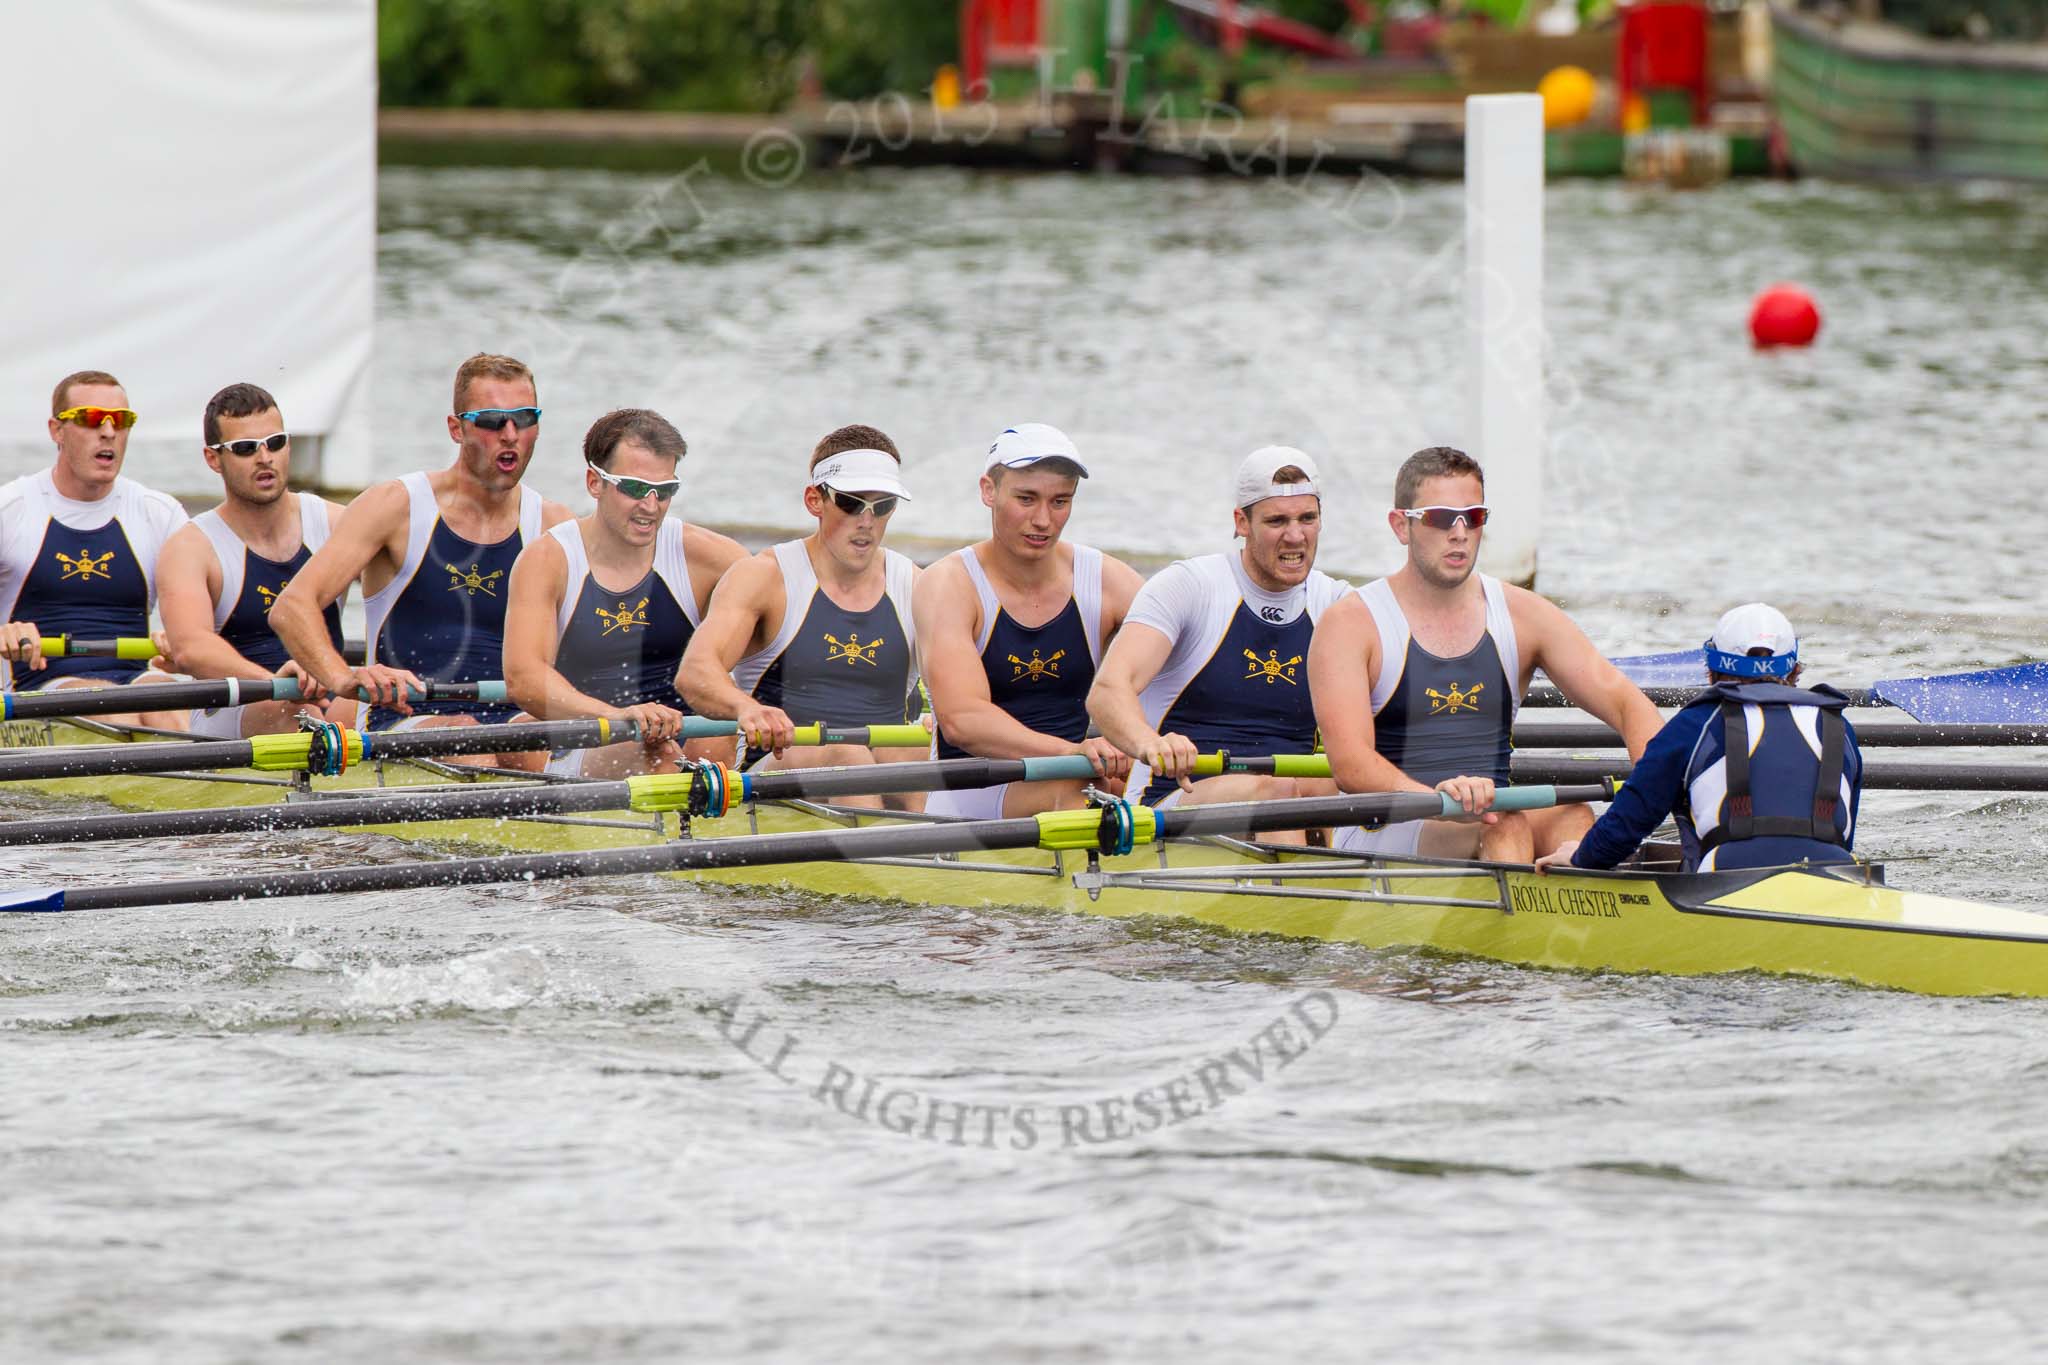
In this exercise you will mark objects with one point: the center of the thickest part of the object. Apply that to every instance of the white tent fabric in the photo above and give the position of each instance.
(193, 203)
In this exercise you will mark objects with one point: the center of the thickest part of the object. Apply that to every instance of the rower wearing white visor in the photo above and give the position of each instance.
(818, 630)
(1213, 653)
(1758, 771)
(220, 573)
(600, 609)
(1011, 630)
(1418, 677)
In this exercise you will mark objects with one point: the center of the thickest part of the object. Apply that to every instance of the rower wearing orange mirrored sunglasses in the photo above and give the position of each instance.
(79, 545)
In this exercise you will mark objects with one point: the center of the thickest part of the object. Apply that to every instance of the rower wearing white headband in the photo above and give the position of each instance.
(1758, 772)
(818, 629)
(1213, 653)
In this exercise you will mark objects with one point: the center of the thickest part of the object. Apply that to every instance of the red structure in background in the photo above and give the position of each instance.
(996, 33)
(1664, 47)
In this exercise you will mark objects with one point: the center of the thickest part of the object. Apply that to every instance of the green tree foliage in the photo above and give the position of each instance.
(654, 54)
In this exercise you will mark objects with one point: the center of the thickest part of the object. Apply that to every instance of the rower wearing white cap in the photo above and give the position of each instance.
(1758, 772)
(1417, 678)
(600, 609)
(1010, 630)
(818, 629)
(1212, 654)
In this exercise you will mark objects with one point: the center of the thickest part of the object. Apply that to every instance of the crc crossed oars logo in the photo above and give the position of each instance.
(270, 594)
(1035, 669)
(1271, 668)
(1452, 702)
(624, 619)
(472, 581)
(85, 566)
(853, 651)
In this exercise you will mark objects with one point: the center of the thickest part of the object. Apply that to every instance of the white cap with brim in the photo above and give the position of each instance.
(1753, 625)
(1027, 443)
(1255, 475)
(861, 471)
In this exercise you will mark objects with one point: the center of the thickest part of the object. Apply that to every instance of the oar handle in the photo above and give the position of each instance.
(138, 648)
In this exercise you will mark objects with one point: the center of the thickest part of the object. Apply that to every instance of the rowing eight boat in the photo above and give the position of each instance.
(1845, 925)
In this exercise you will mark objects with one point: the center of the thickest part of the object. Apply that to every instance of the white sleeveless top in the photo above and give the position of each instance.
(800, 584)
(30, 503)
(423, 512)
(1393, 627)
(1087, 596)
(231, 550)
(670, 566)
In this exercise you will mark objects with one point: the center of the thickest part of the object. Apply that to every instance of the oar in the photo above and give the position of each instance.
(708, 789)
(139, 647)
(1950, 777)
(60, 702)
(1870, 734)
(1111, 829)
(312, 751)
(2014, 695)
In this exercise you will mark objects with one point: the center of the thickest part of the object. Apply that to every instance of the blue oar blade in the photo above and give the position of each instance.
(1681, 668)
(2015, 695)
(31, 900)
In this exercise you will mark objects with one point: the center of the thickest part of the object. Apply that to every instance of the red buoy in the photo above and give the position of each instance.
(1784, 315)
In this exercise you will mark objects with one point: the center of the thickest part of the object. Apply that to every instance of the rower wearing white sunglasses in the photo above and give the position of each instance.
(601, 608)
(220, 573)
(818, 629)
(1418, 677)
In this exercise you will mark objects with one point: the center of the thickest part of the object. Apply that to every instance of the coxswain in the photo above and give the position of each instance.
(78, 549)
(220, 573)
(432, 551)
(1418, 677)
(1213, 654)
(601, 608)
(1758, 771)
(1011, 629)
(819, 629)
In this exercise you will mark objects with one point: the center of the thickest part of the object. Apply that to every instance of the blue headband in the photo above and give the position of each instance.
(1751, 665)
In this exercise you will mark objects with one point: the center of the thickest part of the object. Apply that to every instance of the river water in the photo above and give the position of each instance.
(515, 1125)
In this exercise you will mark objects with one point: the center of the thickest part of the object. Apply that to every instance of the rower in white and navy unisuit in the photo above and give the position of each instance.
(443, 614)
(624, 647)
(79, 541)
(1235, 677)
(1757, 772)
(829, 663)
(1039, 674)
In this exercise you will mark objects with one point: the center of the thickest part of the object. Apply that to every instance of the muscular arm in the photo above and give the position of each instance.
(945, 608)
(710, 555)
(1343, 659)
(739, 607)
(367, 531)
(1120, 584)
(1581, 672)
(188, 576)
(1132, 660)
(533, 598)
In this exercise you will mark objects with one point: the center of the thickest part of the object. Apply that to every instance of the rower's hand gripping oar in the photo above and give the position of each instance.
(1113, 829)
(203, 694)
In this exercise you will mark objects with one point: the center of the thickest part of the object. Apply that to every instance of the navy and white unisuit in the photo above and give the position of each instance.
(624, 647)
(1757, 774)
(1040, 674)
(831, 665)
(250, 583)
(442, 615)
(81, 568)
(1434, 717)
(1236, 678)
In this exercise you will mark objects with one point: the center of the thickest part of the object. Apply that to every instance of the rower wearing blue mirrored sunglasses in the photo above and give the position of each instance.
(493, 419)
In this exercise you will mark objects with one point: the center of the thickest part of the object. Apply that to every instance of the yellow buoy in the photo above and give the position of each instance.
(1567, 96)
(946, 87)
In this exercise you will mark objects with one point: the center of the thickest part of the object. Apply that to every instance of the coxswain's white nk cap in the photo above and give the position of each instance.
(861, 471)
(1027, 443)
(1255, 475)
(1753, 626)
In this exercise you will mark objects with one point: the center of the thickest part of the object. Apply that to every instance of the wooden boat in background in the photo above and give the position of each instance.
(1867, 101)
